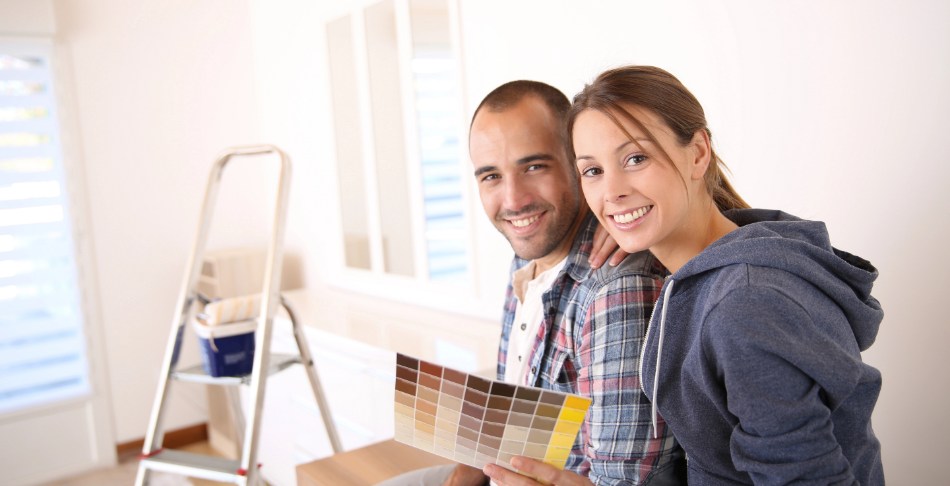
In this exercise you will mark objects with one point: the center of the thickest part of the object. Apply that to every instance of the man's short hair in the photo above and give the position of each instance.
(512, 92)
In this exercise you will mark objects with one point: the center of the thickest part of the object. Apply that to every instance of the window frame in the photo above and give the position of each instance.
(78, 224)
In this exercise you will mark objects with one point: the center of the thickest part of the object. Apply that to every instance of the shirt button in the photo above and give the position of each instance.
(524, 326)
(534, 370)
(519, 358)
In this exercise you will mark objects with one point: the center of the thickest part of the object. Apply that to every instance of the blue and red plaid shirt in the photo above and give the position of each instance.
(589, 344)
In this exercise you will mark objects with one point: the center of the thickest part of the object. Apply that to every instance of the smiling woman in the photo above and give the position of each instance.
(753, 353)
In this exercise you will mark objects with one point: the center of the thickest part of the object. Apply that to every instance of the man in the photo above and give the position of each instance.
(566, 326)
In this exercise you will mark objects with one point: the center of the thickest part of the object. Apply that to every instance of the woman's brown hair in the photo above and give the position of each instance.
(659, 91)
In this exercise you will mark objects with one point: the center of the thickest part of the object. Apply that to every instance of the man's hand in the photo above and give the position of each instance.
(464, 475)
(546, 473)
(603, 246)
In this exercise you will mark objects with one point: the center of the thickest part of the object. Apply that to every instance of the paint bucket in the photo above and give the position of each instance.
(227, 349)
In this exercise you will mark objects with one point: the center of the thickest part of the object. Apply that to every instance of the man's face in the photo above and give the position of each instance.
(527, 187)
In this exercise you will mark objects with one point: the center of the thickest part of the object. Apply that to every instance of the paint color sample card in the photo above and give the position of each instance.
(477, 421)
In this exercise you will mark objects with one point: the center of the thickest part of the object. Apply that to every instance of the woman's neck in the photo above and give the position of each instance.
(701, 228)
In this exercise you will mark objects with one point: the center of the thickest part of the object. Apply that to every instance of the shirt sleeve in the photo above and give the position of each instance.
(768, 356)
(620, 445)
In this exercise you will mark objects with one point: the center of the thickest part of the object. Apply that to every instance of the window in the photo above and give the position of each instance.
(399, 126)
(42, 345)
(435, 82)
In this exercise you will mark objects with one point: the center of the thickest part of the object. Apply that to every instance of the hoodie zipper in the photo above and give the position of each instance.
(643, 352)
(647, 338)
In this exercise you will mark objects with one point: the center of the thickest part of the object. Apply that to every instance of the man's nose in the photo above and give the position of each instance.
(517, 194)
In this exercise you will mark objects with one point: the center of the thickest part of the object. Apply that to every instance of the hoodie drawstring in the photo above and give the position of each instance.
(659, 353)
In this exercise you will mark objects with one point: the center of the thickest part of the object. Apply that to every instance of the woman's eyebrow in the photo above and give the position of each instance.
(620, 148)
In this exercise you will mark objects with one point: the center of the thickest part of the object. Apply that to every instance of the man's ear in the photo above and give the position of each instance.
(701, 150)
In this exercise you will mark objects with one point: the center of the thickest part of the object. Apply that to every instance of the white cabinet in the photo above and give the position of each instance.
(358, 383)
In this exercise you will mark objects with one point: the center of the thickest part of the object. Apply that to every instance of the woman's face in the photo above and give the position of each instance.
(637, 195)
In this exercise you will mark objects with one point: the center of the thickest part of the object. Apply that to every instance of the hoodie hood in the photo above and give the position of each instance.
(770, 238)
(774, 239)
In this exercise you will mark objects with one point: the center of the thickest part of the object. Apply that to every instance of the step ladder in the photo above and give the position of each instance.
(245, 470)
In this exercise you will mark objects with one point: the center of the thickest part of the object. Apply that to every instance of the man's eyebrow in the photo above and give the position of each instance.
(483, 169)
(527, 159)
(533, 158)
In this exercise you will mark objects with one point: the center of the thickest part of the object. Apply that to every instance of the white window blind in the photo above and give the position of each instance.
(436, 91)
(42, 345)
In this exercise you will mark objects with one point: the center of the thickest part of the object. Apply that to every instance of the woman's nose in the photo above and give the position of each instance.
(616, 189)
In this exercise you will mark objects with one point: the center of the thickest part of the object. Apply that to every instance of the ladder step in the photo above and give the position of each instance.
(197, 374)
(194, 465)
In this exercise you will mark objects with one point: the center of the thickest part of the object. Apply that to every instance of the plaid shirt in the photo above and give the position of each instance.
(589, 344)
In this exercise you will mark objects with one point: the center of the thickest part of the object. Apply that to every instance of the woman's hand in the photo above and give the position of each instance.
(533, 472)
(603, 246)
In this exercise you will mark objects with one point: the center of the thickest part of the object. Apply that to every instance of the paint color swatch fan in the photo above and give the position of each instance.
(476, 421)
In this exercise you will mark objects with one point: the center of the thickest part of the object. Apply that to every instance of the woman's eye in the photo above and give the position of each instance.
(591, 171)
(634, 160)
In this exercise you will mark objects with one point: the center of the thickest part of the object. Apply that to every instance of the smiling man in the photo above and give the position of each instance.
(526, 185)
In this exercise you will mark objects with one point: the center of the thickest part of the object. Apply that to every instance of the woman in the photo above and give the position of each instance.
(753, 352)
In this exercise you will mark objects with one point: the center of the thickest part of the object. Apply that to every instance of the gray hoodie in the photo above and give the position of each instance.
(753, 357)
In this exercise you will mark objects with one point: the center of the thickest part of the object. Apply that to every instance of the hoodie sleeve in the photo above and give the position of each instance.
(620, 449)
(767, 352)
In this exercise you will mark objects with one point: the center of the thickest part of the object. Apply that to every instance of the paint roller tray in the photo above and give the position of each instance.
(227, 349)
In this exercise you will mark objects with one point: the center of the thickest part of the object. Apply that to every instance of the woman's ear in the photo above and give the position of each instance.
(701, 154)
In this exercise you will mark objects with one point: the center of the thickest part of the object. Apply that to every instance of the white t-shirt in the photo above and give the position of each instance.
(528, 316)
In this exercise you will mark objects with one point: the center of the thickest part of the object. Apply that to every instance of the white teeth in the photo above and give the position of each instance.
(623, 218)
(521, 223)
(629, 217)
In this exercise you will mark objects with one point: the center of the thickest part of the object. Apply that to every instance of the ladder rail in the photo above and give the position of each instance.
(270, 301)
(307, 360)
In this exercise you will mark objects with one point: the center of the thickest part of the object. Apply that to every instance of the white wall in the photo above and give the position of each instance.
(828, 110)
(161, 88)
(26, 17)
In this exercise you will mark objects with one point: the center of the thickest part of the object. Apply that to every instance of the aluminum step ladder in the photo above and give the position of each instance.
(245, 470)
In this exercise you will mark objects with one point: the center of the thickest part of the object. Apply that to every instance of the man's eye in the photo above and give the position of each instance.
(533, 167)
(635, 160)
(489, 177)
